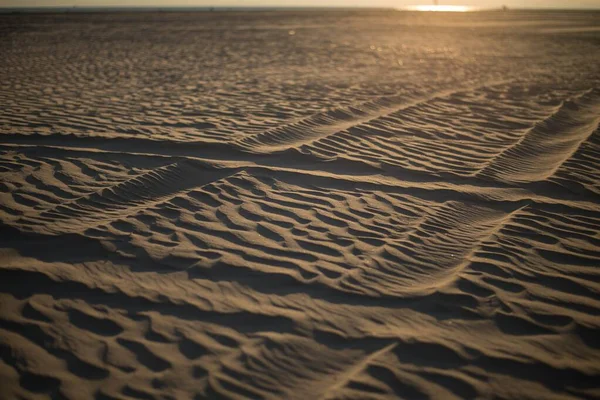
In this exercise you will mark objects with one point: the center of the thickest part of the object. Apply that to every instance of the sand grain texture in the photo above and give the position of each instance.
(381, 205)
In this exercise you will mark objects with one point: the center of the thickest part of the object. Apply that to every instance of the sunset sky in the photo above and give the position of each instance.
(309, 3)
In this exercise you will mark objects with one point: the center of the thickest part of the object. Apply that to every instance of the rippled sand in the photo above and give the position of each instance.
(300, 205)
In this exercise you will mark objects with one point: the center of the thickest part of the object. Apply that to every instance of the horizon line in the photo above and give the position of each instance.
(76, 8)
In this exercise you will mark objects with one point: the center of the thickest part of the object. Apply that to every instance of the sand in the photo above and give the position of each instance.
(300, 205)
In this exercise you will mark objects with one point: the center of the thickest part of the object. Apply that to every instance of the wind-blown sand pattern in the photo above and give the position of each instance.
(300, 205)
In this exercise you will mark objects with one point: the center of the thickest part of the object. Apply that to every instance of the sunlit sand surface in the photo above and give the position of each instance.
(300, 205)
(441, 8)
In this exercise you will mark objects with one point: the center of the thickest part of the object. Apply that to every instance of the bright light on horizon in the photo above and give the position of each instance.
(441, 8)
(426, 5)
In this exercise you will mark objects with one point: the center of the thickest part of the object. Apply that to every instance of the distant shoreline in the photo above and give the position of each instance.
(67, 10)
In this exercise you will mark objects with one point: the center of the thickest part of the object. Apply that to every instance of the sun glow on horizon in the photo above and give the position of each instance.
(440, 8)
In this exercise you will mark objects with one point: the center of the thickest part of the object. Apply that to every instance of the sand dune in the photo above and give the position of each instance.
(380, 205)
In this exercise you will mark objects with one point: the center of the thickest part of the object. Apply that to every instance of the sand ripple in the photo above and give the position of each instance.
(382, 205)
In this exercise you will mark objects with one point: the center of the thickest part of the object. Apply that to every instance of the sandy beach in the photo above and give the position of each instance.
(349, 204)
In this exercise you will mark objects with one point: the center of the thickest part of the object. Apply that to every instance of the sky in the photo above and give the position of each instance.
(303, 3)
